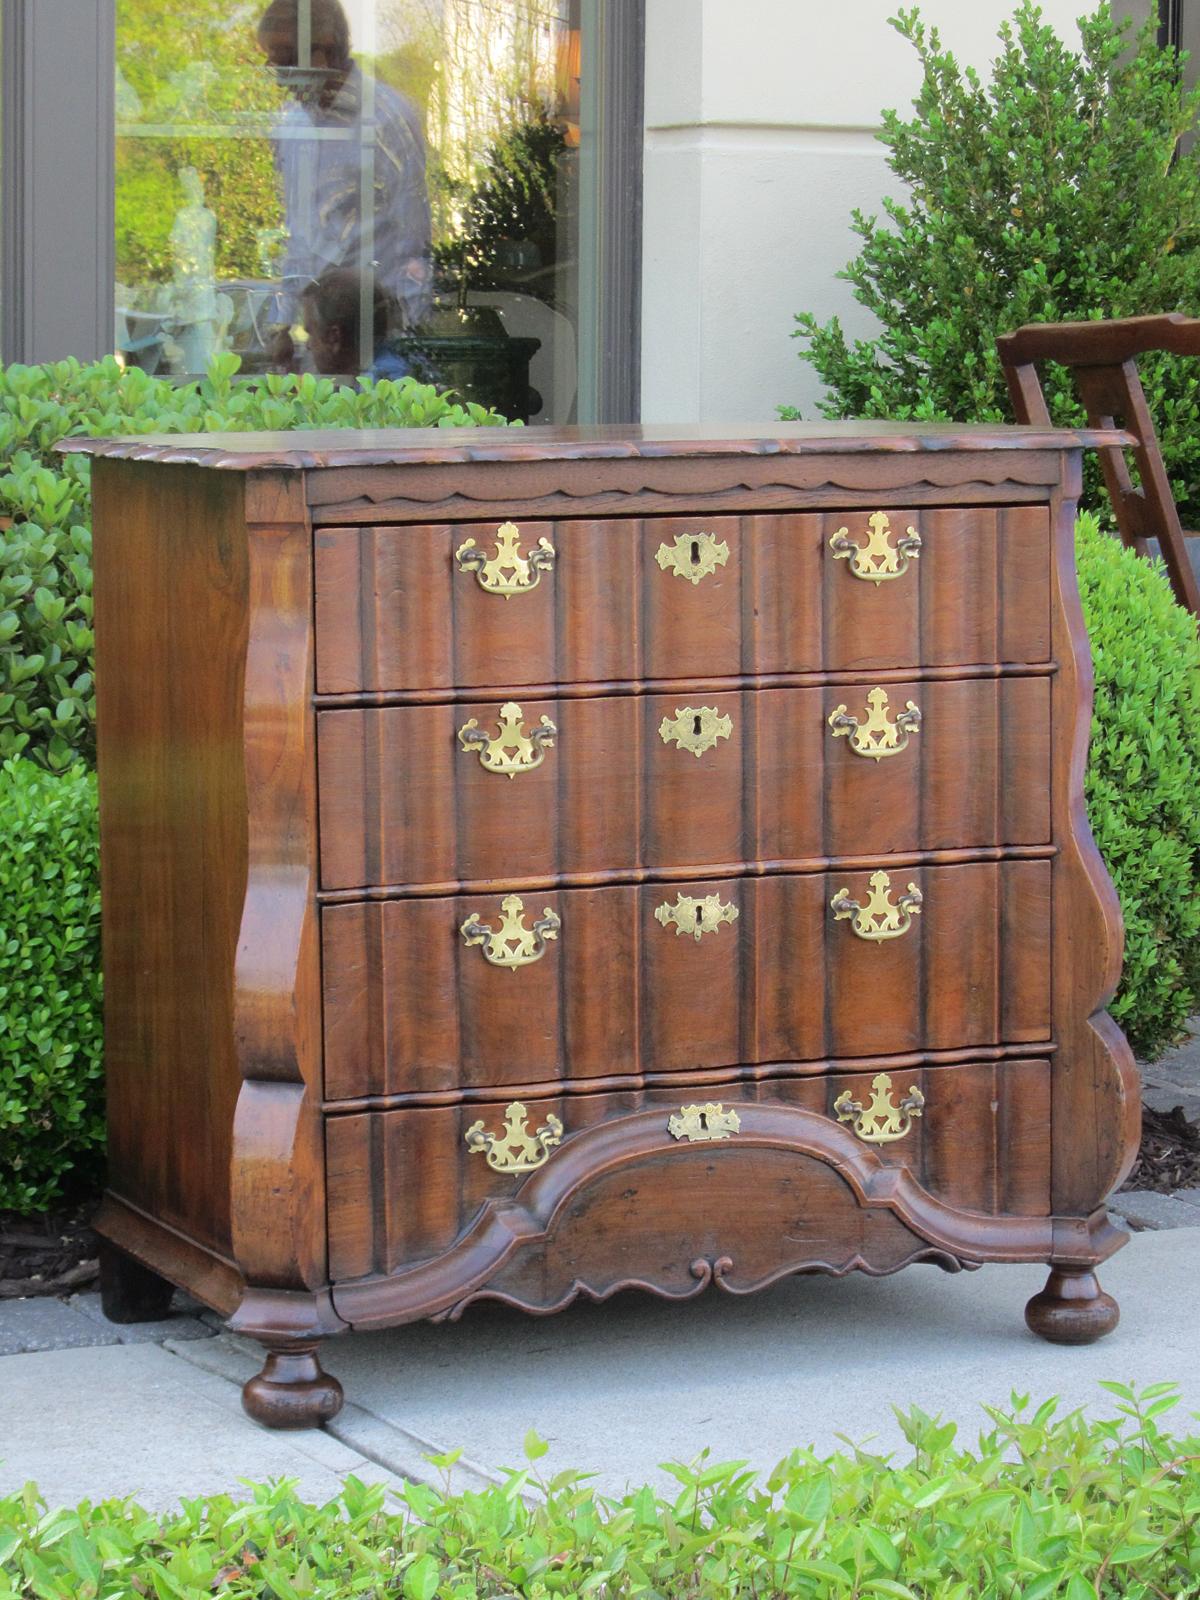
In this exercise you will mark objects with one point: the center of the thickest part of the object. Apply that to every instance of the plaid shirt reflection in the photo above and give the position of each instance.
(322, 154)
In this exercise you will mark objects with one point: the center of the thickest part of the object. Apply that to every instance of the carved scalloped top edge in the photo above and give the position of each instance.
(246, 452)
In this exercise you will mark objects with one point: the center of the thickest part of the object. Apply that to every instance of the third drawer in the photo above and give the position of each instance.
(671, 978)
(690, 779)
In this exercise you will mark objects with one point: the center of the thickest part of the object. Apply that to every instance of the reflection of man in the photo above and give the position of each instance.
(344, 136)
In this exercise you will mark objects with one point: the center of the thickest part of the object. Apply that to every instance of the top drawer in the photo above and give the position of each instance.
(448, 605)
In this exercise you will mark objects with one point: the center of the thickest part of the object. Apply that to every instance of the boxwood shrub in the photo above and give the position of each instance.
(51, 1122)
(1042, 1507)
(1143, 780)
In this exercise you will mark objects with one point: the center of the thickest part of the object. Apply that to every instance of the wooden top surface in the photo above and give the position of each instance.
(345, 447)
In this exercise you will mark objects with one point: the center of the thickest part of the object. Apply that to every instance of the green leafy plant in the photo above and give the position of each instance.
(1043, 1507)
(1051, 193)
(51, 1091)
(47, 702)
(1141, 780)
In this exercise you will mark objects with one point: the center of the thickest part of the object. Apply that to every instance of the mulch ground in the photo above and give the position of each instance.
(56, 1253)
(1169, 1157)
(50, 1254)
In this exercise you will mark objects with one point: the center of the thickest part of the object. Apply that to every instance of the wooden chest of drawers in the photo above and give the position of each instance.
(538, 864)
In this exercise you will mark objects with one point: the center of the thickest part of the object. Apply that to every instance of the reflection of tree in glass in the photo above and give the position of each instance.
(480, 70)
(181, 68)
(510, 221)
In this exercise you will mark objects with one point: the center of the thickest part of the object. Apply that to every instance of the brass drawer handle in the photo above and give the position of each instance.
(880, 1122)
(693, 556)
(515, 1149)
(696, 917)
(878, 561)
(702, 1124)
(876, 737)
(512, 750)
(512, 944)
(879, 918)
(695, 728)
(508, 572)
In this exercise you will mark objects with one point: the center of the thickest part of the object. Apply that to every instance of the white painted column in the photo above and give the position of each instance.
(760, 122)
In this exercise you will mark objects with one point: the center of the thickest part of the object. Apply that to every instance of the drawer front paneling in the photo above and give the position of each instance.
(403, 1184)
(403, 802)
(395, 612)
(634, 981)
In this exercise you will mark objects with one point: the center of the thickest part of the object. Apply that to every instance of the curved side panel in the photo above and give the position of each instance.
(277, 1174)
(1095, 1091)
(623, 1205)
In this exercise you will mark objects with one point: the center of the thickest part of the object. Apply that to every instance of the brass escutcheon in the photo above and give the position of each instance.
(879, 919)
(701, 1124)
(878, 561)
(693, 556)
(512, 945)
(880, 1122)
(876, 737)
(508, 572)
(696, 917)
(515, 1149)
(512, 750)
(695, 728)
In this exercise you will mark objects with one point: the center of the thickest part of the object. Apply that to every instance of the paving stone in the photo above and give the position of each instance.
(1143, 1208)
(1179, 1068)
(47, 1324)
(180, 1324)
(1165, 1096)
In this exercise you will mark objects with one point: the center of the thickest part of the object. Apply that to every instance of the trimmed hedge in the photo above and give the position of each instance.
(51, 1040)
(1143, 780)
(47, 701)
(1043, 1507)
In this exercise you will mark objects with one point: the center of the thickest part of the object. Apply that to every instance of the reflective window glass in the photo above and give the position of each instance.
(354, 186)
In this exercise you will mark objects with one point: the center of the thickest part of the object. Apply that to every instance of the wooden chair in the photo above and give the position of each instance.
(1102, 357)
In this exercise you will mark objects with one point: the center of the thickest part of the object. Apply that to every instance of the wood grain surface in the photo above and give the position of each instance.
(408, 1005)
(613, 795)
(981, 1144)
(394, 612)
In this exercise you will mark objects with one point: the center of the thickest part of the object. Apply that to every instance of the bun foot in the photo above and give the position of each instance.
(292, 1391)
(1072, 1309)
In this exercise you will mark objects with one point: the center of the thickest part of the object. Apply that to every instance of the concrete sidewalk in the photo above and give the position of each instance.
(616, 1388)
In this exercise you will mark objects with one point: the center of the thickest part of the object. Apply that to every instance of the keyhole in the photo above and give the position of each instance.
(696, 727)
(695, 552)
(704, 1120)
(699, 915)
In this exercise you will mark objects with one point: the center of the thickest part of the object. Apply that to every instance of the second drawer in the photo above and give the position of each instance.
(424, 795)
(485, 990)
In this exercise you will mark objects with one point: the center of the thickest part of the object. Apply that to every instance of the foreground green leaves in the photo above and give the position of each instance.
(1042, 1507)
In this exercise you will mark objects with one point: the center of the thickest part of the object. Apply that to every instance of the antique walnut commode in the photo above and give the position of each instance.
(541, 863)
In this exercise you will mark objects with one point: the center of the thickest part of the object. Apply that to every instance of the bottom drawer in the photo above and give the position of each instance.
(402, 1185)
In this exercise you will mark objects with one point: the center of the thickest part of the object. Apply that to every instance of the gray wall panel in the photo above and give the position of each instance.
(56, 184)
